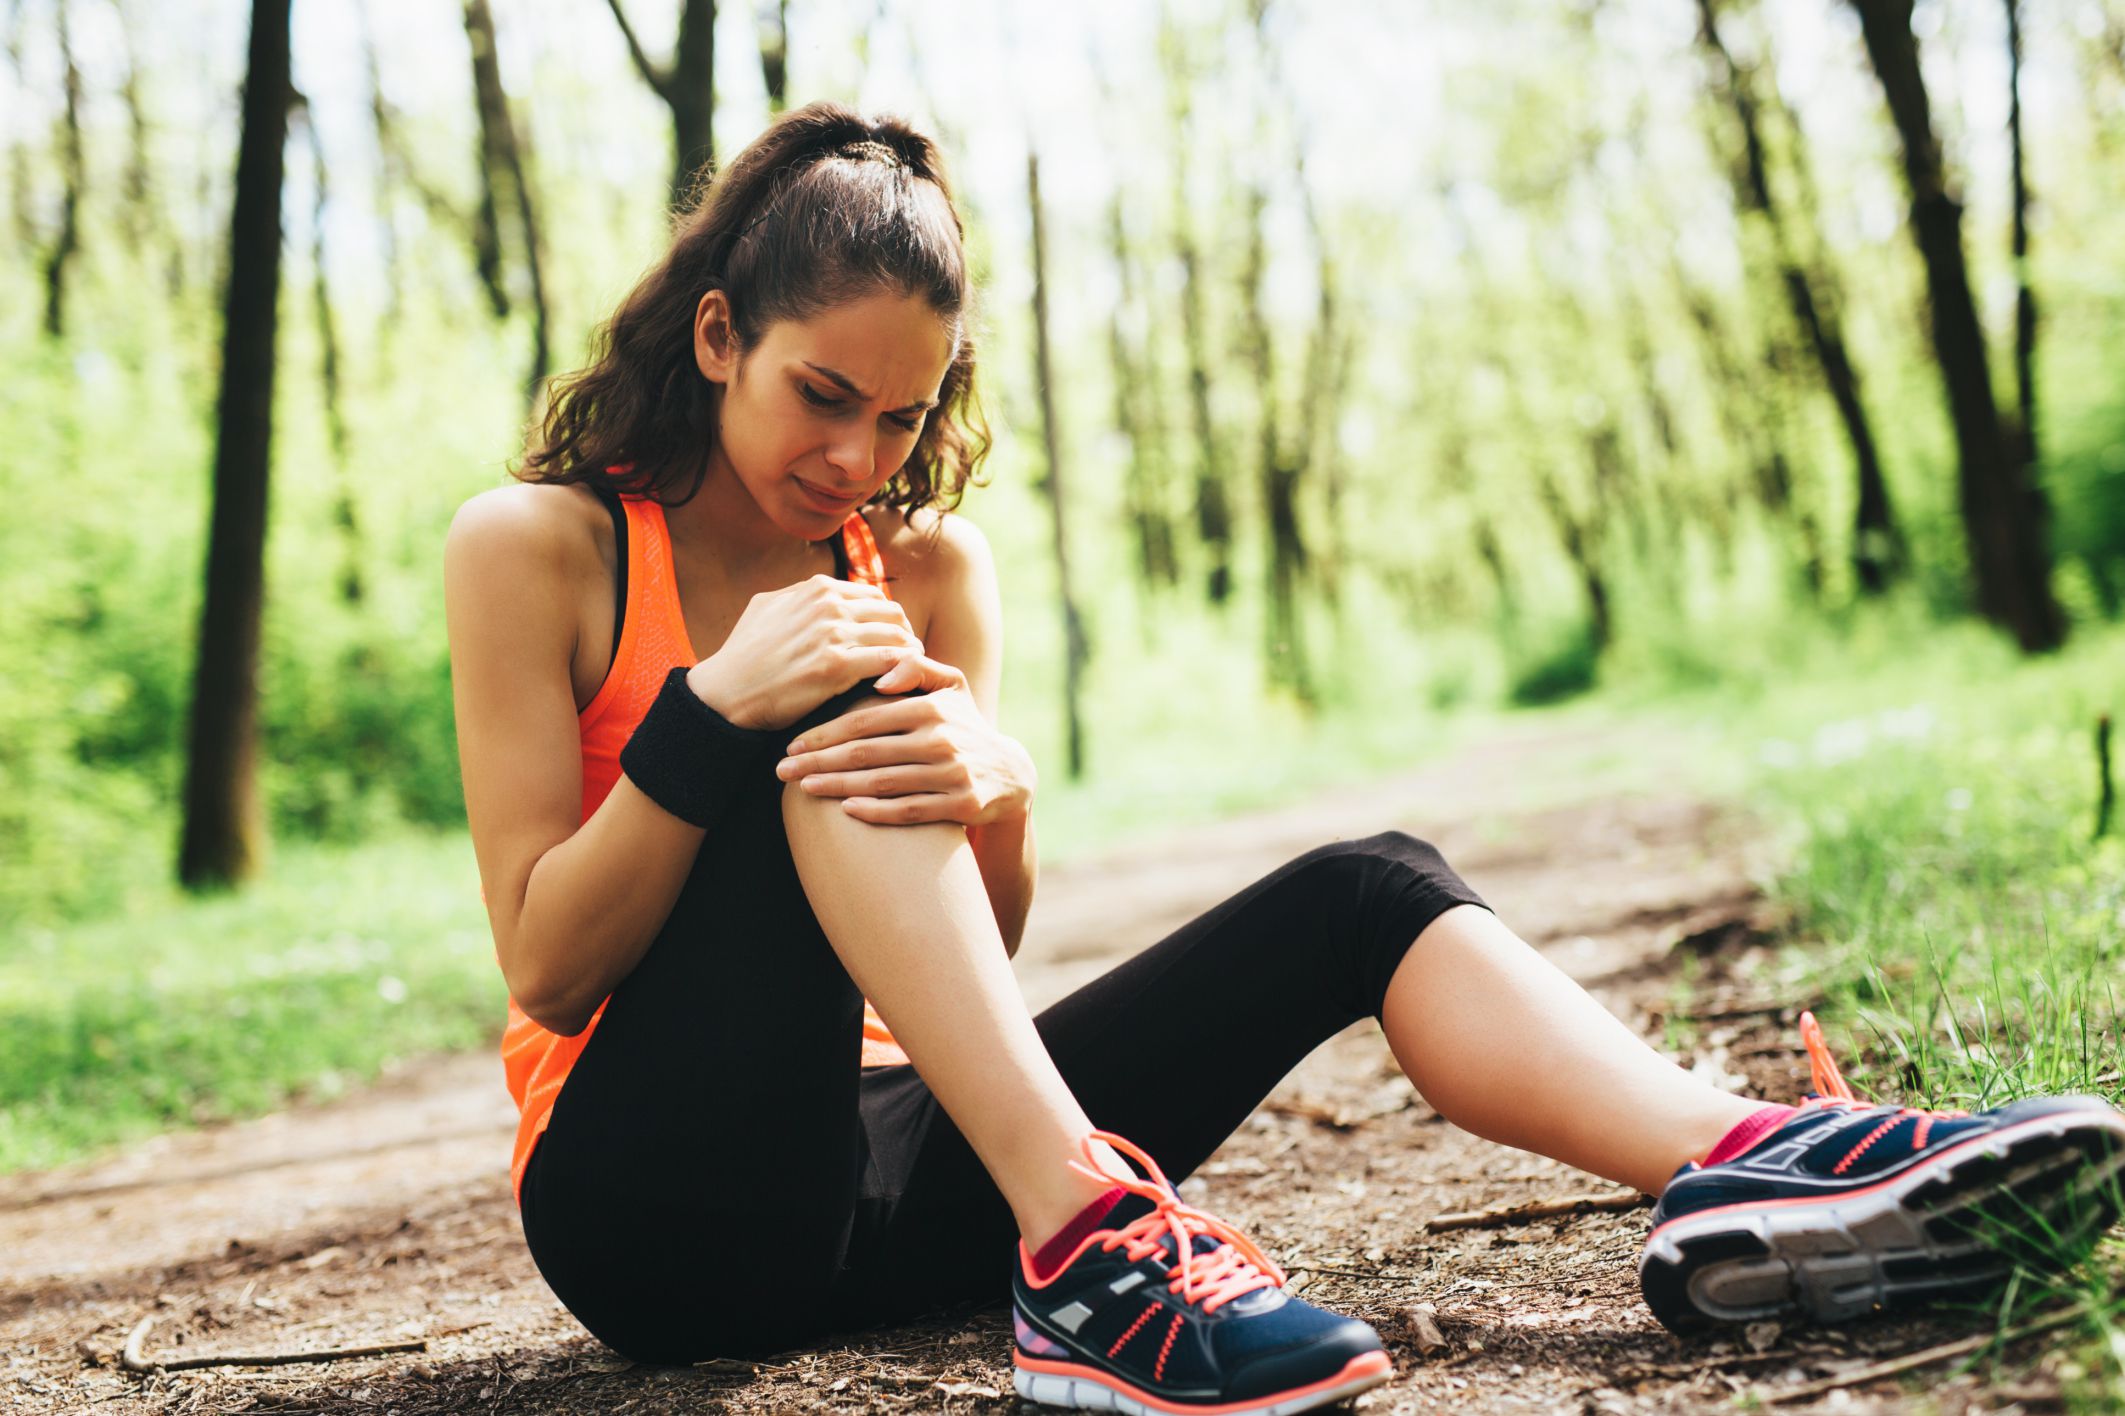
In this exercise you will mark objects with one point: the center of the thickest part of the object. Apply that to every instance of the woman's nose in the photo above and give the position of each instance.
(854, 452)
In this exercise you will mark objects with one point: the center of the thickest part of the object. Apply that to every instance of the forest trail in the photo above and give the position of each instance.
(386, 1215)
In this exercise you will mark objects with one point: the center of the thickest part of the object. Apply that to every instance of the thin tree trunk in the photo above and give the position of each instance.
(1136, 417)
(19, 187)
(504, 179)
(493, 110)
(1876, 547)
(2025, 436)
(143, 223)
(328, 371)
(390, 176)
(1278, 474)
(2002, 505)
(224, 839)
(688, 87)
(1075, 649)
(774, 52)
(72, 167)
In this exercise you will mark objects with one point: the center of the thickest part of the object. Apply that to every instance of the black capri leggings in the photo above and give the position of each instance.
(720, 1177)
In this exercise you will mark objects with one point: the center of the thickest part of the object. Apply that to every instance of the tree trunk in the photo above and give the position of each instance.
(340, 435)
(688, 87)
(1137, 418)
(504, 177)
(2024, 439)
(493, 110)
(774, 52)
(72, 169)
(1877, 550)
(18, 154)
(1279, 468)
(2002, 506)
(1075, 649)
(223, 839)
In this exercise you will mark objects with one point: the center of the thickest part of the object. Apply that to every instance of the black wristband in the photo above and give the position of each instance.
(691, 760)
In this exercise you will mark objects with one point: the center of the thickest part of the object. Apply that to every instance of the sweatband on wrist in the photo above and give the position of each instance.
(691, 760)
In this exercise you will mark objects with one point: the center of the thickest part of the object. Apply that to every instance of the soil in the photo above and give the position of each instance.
(386, 1216)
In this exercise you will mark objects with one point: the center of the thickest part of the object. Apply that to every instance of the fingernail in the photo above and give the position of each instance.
(797, 746)
(783, 769)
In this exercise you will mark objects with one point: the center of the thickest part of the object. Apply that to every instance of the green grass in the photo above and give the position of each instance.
(1946, 895)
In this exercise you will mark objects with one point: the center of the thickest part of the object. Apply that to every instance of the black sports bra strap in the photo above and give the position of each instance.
(619, 540)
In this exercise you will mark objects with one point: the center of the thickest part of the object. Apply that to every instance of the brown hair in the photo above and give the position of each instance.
(824, 207)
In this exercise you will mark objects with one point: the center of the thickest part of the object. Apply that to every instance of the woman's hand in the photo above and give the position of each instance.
(794, 648)
(929, 757)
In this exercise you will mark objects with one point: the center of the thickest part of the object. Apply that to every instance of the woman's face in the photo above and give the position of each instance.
(822, 412)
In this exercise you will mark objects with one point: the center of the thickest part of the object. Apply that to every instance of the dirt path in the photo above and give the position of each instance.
(387, 1215)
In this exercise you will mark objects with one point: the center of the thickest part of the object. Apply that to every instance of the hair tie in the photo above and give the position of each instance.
(870, 150)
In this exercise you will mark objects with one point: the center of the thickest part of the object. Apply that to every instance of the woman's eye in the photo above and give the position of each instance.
(816, 398)
(907, 425)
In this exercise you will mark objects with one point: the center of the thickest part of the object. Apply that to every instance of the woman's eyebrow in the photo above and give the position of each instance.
(841, 380)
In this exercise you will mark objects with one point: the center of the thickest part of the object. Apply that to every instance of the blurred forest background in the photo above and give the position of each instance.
(1399, 360)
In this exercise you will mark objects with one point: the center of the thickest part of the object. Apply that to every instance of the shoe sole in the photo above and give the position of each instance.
(1954, 1225)
(1051, 1383)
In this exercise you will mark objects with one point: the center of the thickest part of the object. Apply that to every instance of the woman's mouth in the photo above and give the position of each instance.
(823, 500)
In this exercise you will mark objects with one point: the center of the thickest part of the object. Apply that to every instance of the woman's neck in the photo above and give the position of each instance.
(723, 525)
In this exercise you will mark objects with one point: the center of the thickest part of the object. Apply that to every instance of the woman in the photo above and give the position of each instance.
(726, 680)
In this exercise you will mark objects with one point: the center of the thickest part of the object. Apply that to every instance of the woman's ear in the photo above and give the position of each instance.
(715, 342)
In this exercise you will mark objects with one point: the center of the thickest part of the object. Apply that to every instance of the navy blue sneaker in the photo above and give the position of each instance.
(1846, 1209)
(1169, 1309)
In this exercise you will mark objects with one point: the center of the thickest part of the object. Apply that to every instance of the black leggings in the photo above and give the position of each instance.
(720, 1177)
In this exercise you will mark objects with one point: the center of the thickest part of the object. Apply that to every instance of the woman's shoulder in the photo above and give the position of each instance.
(928, 544)
(528, 525)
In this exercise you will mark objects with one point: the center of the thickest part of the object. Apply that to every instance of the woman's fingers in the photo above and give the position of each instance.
(902, 810)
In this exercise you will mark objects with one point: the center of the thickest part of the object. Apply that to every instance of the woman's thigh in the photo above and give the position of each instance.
(1172, 1048)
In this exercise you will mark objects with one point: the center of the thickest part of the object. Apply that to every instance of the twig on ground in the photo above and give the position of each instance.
(1501, 1216)
(1911, 1361)
(133, 1356)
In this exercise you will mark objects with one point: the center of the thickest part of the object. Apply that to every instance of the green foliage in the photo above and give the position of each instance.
(346, 961)
(1561, 665)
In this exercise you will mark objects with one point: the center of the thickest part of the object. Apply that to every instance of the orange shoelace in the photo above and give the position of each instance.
(1212, 1279)
(1832, 1090)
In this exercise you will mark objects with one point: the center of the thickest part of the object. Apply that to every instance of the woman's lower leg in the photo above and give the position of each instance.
(1507, 1046)
(905, 910)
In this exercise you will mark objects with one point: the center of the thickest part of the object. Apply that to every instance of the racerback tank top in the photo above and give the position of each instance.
(652, 640)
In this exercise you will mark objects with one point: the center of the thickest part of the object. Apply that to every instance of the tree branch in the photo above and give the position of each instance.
(658, 79)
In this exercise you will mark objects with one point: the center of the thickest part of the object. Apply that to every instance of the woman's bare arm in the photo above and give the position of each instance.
(574, 904)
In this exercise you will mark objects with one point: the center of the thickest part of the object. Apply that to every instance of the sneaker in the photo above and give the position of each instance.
(1846, 1208)
(1172, 1310)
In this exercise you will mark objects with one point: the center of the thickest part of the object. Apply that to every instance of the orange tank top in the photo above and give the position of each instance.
(653, 640)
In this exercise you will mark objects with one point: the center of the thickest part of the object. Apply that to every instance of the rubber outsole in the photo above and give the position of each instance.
(1079, 1388)
(2036, 1193)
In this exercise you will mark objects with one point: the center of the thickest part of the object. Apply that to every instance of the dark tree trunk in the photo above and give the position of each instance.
(493, 110)
(328, 371)
(2024, 438)
(1876, 547)
(504, 178)
(1076, 650)
(774, 52)
(72, 168)
(223, 838)
(1136, 416)
(2002, 506)
(688, 87)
